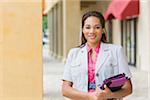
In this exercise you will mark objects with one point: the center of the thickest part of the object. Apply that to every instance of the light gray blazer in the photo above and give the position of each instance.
(111, 61)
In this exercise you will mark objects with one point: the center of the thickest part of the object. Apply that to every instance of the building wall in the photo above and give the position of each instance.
(116, 32)
(143, 41)
(71, 22)
(143, 27)
(20, 50)
(63, 27)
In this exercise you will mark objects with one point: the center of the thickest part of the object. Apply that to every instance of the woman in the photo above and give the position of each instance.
(94, 61)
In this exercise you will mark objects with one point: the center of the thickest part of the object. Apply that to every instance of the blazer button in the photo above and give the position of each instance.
(111, 64)
(97, 74)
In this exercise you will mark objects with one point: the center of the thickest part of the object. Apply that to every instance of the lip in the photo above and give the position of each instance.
(92, 36)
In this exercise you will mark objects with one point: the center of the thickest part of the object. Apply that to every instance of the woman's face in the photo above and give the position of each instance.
(92, 30)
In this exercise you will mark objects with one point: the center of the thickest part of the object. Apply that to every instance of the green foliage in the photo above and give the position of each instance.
(44, 23)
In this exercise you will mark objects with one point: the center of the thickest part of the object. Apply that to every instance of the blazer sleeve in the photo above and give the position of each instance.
(122, 62)
(67, 71)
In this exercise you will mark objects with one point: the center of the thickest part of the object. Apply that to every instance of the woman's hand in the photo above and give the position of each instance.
(103, 94)
(107, 92)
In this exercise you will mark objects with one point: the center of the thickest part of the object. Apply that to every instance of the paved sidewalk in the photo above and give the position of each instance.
(53, 70)
(52, 74)
(140, 86)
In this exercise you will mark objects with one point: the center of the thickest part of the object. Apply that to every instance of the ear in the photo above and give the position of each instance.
(104, 30)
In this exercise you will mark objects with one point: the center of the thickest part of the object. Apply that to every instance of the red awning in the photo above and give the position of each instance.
(120, 9)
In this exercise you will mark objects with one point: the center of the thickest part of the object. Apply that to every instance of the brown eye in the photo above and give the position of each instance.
(98, 27)
(87, 27)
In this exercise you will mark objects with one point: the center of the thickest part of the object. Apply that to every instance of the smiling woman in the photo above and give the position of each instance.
(92, 25)
(94, 61)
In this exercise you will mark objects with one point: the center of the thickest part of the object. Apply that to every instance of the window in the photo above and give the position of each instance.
(128, 37)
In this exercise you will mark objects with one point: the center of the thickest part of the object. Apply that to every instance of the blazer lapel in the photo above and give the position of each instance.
(84, 58)
(102, 56)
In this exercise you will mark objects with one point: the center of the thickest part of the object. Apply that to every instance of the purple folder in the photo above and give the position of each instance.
(114, 83)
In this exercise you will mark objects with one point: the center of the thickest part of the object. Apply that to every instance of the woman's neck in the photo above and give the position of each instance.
(93, 46)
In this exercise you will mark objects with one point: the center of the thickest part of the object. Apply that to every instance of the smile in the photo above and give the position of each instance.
(92, 36)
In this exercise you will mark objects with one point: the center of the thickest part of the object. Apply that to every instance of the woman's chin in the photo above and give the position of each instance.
(93, 42)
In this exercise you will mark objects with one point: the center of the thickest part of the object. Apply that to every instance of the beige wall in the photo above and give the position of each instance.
(49, 4)
(116, 31)
(20, 51)
(73, 8)
(71, 22)
(63, 26)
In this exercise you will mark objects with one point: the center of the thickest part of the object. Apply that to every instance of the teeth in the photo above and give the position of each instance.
(92, 36)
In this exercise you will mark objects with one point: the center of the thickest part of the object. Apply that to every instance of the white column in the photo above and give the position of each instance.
(49, 21)
(143, 53)
(71, 22)
(54, 32)
(59, 31)
(116, 32)
(51, 37)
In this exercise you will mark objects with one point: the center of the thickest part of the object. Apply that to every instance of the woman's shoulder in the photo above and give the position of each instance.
(74, 50)
(78, 48)
(113, 45)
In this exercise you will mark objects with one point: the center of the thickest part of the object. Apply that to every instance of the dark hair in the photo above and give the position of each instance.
(102, 20)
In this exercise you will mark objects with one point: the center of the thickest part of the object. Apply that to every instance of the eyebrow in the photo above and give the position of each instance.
(94, 25)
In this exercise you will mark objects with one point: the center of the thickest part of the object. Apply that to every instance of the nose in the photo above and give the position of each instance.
(92, 30)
